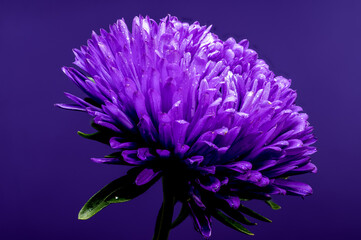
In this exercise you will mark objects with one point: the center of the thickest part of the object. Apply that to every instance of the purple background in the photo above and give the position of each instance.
(46, 174)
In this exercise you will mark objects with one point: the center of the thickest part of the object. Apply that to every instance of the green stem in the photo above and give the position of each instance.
(165, 216)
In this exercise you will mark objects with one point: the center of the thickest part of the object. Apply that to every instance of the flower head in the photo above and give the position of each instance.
(173, 100)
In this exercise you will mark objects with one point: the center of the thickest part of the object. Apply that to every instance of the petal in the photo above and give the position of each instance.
(210, 183)
(179, 130)
(118, 143)
(165, 130)
(293, 187)
(194, 160)
(201, 220)
(233, 201)
(74, 107)
(181, 150)
(309, 167)
(145, 176)
(130, 156)
(107, 160)
(163, 153)
(144, 154)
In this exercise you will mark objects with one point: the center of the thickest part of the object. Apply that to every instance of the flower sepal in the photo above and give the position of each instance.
(230, 222)
(102, 135)
(273, 205)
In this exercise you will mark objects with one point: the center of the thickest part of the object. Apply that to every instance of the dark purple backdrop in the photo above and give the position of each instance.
(46, 174)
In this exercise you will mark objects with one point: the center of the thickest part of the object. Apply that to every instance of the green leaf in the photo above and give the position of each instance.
(91, 136)
(273, 205)
(230, 222)
(99, 127)
(120, 190)
(244, 199)
(253, 214)
(236, 215)
(97, 136)
(91, 79)
(183, 214)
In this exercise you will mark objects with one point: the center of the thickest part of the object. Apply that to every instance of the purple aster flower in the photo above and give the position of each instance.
(174, 101)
